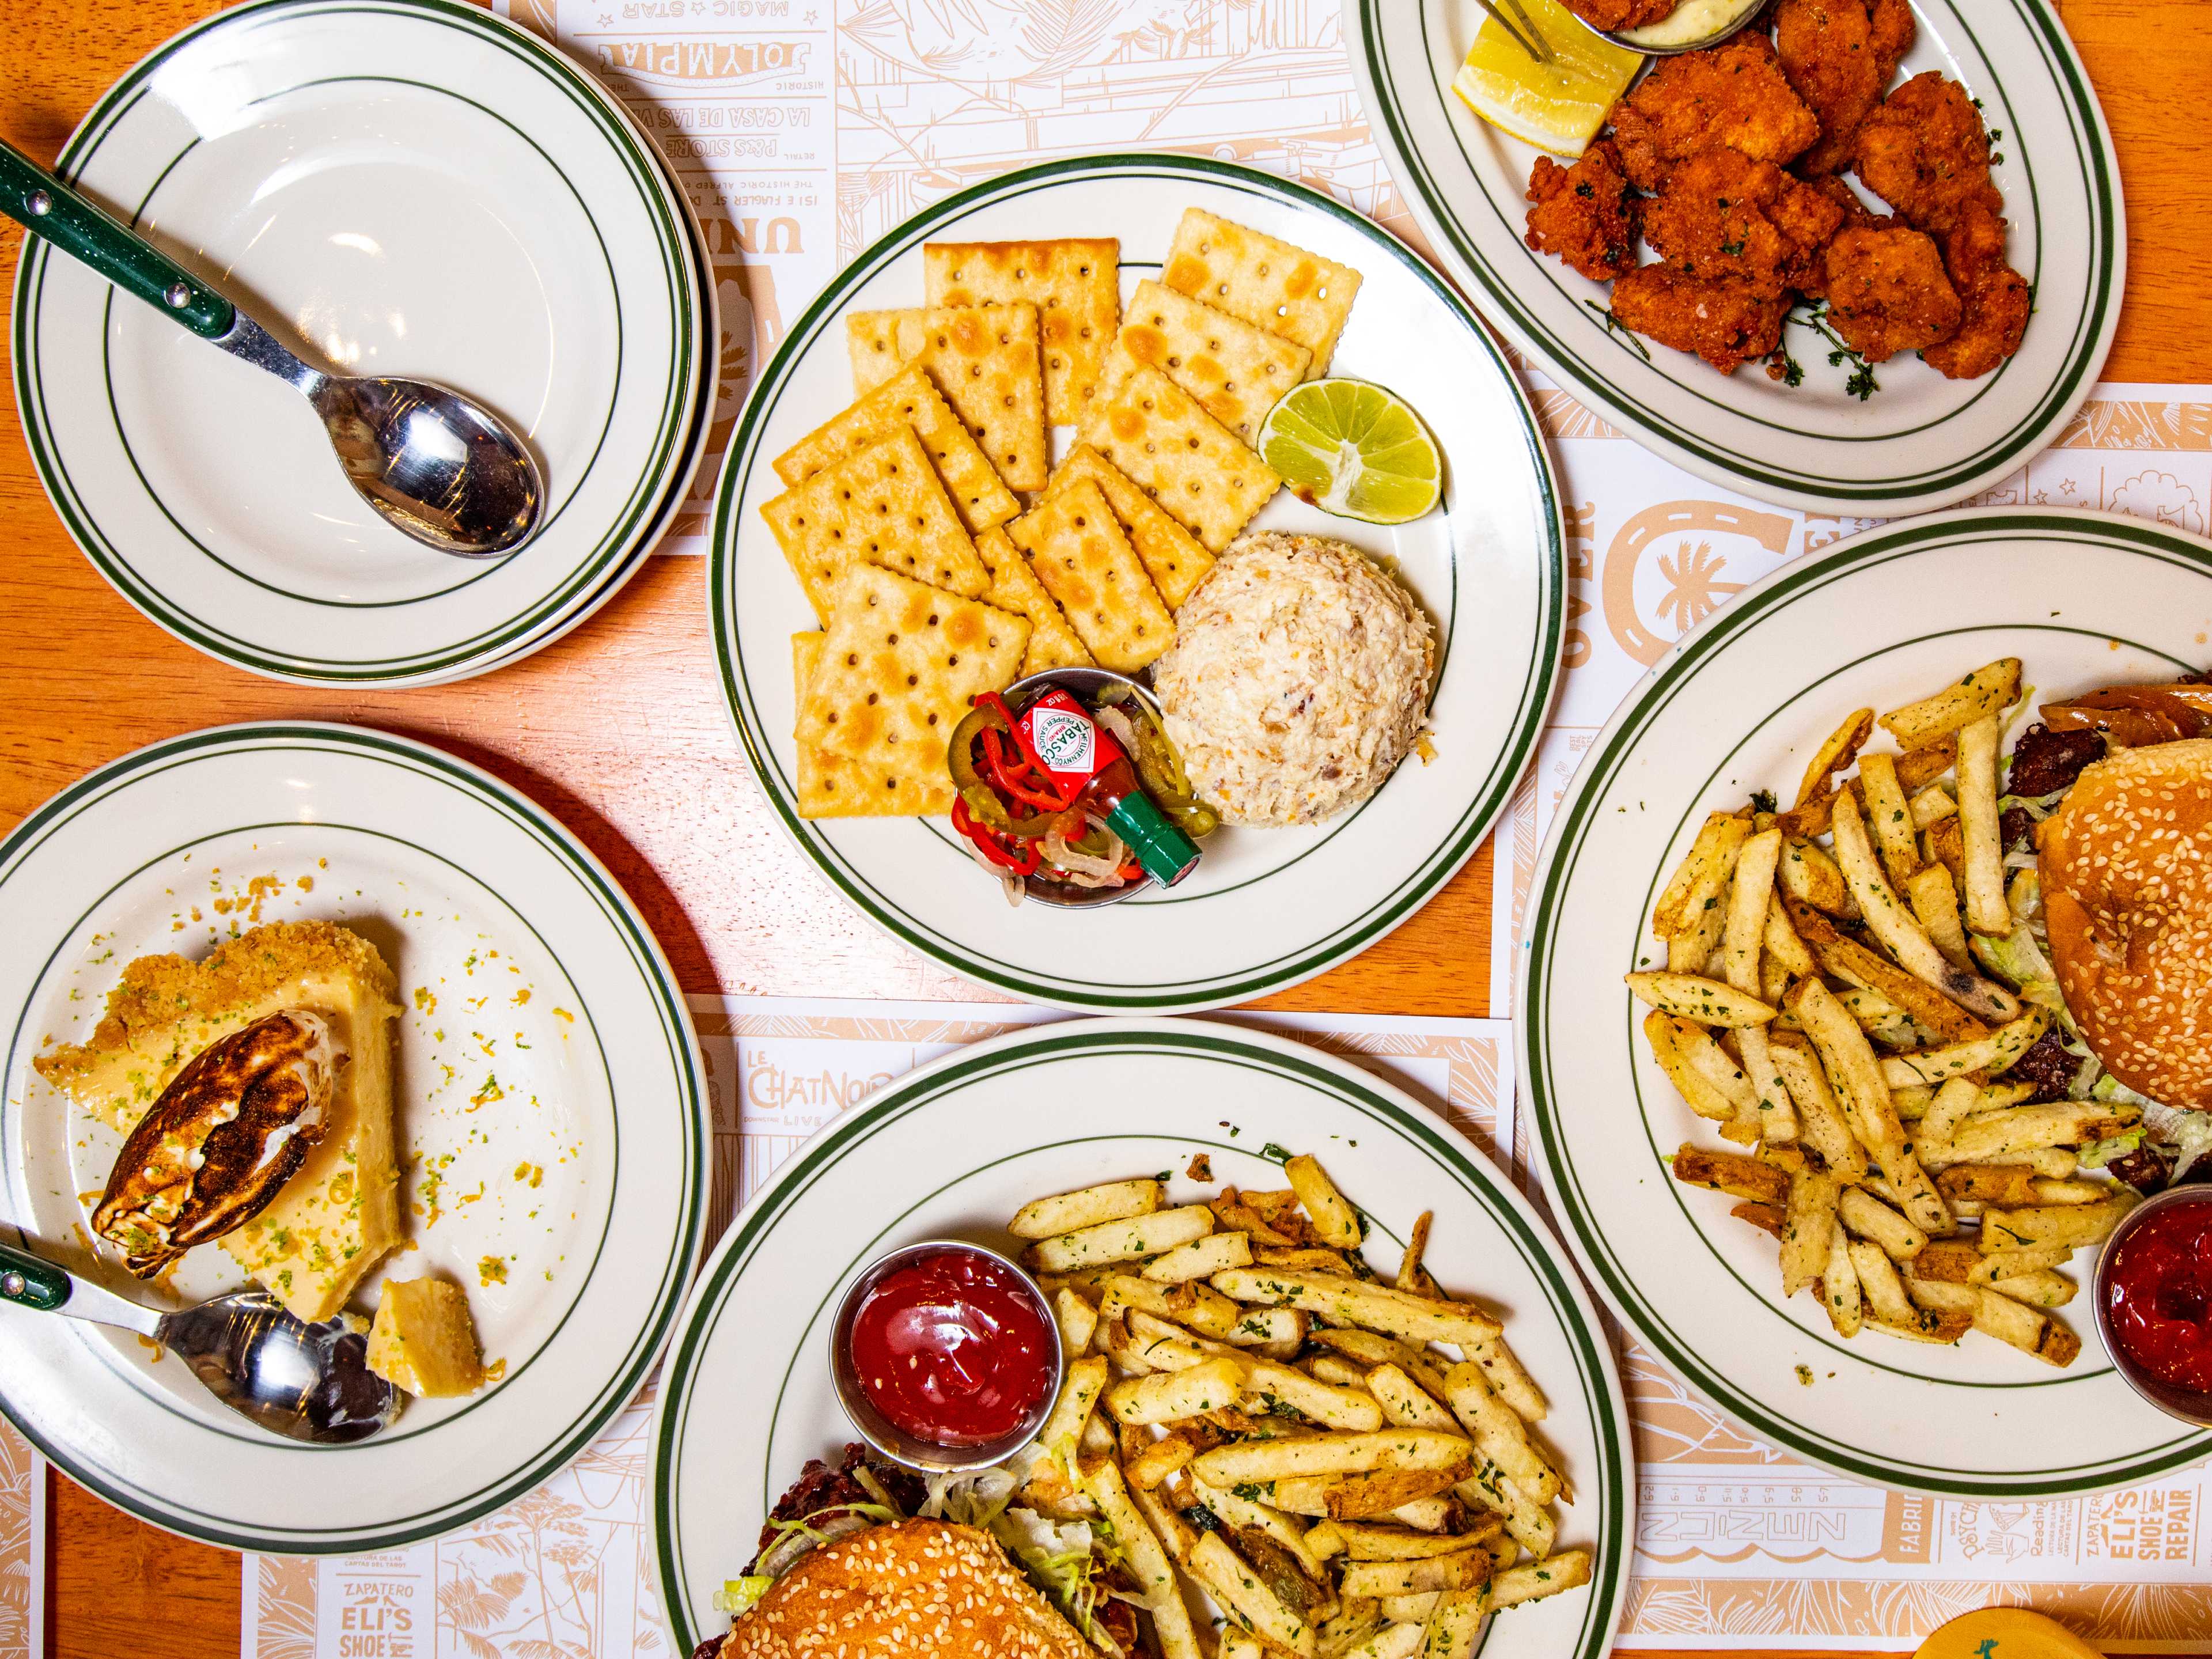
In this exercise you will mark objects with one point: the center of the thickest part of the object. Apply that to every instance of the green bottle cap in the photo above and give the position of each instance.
(1166, 853)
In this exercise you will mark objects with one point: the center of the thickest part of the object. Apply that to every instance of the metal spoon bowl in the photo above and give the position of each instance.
(304, 1382)
(438, 466)
(1638, 40)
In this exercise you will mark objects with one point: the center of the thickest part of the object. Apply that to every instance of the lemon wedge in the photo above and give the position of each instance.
(1353, 449)
(1557, 105)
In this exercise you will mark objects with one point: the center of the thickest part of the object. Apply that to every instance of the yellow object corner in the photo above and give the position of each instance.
(1558, 106)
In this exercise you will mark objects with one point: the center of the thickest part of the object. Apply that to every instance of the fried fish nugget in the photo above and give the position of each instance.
(1733, 95)
(1923, 152)
(1721, 215)
(1839, 55)
(1587, 215)
(1724, 323)
(1613, 15)
(1888, 292)
(1994, 298)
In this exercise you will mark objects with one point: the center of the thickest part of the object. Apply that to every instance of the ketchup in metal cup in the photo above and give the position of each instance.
(952, 1349)
(2159, 1295)
(1073, 748)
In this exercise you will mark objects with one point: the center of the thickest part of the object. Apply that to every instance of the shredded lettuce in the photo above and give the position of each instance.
(974, 1497)
(2189, 1132)
(1065, 1557)
(738, 1596)
(877, 1512)
(2098, 1153)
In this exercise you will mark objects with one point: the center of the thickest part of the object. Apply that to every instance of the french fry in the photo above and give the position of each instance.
(1776, 1120)
(1391, 1641)
(1880, 1285)
(1160, 1459)
(1692, 997)
(1945, 843)
(1839, 1285)
(1783, 947)
(1236, 1511)
(1336, 1221)
(1991, 1053)
(1767, 1218)
(1278, 1332)
(1922, 1003)
(2048, 1224)
(1808, 1229)
(1359, 1541)
(1454, 1622)
(1351, 1302)
(1069, 1212)
(1176, 1536)
(1987, 912)
(1931, 806)
(1751, 895)
(1808, 875)
(1900, 933)
(1820, 1122)
(1172, 1397)
(1202, 1258)
(1728, 1172)
(1987, 1183)
(1079, 1390)
(1406, 1404)
(1927, 1325)
(1702, 877)
(1534, 1580)
(1889, 817)
(1933, 897)
(1421, 1364)
(2022, 1326)
(1986, 691)
(1145, 1557)
(1386, 1450)
(1958, 1099)
(1236, 1643)
(1867, 1217)
(1712, 1084)
(1129, 1240)
(1241, 1594)
(1509, 1379)
(1077, 1319)
(1987, 1136)
(1853, 1074)
(1410, 1609)
(1835, 754)
(1411, 1276)
(2070, 1192)
(1377, 1492)
(1878, 1018)
(1268, 1384)
(1328, 1368)
(1499, 1433)
(1461, 1569)
(2039, 1289)
(1235, 1215)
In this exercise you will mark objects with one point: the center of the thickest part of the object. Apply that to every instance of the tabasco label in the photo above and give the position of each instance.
(1066, 738)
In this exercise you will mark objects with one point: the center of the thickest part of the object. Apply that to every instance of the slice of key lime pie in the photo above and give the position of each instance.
(337, 1216)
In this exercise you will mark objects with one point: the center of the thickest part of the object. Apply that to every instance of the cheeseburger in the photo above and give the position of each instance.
(864, 1561)
(2107, 824)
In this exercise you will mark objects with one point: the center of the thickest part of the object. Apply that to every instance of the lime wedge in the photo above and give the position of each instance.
(1557, 105)
(1354, 449)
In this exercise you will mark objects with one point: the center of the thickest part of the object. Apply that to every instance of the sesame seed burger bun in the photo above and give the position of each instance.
(912, 1589)
(2126, 863)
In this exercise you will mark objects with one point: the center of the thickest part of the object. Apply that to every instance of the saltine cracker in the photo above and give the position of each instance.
(1077, 547)
(985, 361)
(1171, 555)
(1269, 283)
(899, 666)
(1184, 458)
(831, 786)
(1074, 282)
(1235, 371)
(907, 399)
(882, 506)
(1015, 587)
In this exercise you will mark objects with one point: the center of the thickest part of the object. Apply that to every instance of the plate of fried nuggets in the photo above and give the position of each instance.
(1260, 1417)
(954, 405)
(1742, 147)
(1822, 1004)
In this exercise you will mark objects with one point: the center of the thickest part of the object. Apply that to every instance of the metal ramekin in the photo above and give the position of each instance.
(887, 1436)
(1082, 685)
(2188, 1405)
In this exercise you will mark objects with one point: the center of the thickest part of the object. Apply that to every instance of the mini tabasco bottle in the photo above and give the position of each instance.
(1076, 750)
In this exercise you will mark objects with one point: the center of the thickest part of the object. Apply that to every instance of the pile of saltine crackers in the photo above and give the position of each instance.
(904, 518)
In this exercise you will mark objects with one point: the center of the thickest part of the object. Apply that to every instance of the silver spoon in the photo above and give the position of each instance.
(437, 465)
(1643, 39)
(304, 1382)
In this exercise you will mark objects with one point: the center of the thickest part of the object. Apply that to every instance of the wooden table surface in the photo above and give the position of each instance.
(619, 729)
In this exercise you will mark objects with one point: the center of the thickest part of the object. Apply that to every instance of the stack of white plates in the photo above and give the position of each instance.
(400, 186)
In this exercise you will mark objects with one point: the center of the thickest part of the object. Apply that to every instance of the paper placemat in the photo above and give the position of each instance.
(22, 1546)
(567, 1572)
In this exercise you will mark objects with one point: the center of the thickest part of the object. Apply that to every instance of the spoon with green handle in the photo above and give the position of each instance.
(304, 1382)
(437, 465)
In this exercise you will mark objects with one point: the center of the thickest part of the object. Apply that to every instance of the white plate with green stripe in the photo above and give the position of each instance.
(1267, 907)
(1920, 441)
(2083, 599)
(401, 186)
(956, 1148)
(550, 1117)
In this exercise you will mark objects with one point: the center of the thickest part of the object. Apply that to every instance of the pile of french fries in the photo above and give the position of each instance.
(1823, 1003)
(1347, 1469)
